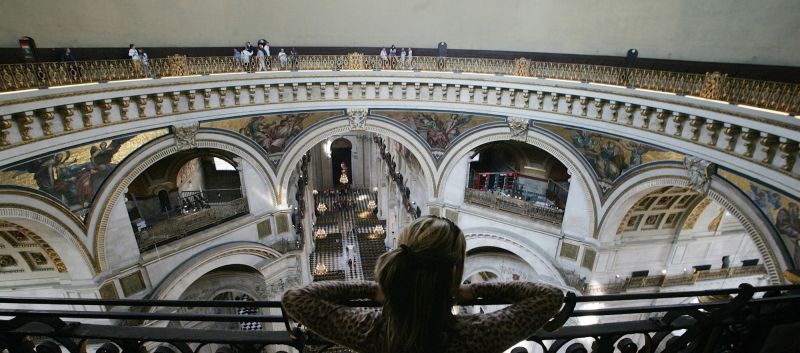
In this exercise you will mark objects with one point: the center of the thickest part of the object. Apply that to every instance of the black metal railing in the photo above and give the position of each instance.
(739, 322)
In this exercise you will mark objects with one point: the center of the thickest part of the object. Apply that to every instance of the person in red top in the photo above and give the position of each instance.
(418, 284)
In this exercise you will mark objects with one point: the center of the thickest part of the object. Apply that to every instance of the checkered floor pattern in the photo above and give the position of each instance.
(347, 220)
(244, 325)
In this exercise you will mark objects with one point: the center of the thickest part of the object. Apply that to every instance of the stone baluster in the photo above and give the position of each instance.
(788, 149)
(629, 108)
(430, 91)
(141, 105)
(5, 125)
(678, 119)
(582, 103)
(251, 92)
(732, 133)
(349, 90)
(695, 125)
(526, 99)
(598, 106)
(66, 116)
(749, 136)
(24, 122)
(191, 98)
(539, 100)
(512, 97)
(175, 99)
(613, 107)
(281, 92)
(768, 146)
(471, 91)
(336, 90)
(105, 111)
(87, 109)
(237, 95)
(207, 98)
(645, 111)
(554, 102)
(223, 96)
(568, 101)
(46, 117)
(159, 100)
(713, 131)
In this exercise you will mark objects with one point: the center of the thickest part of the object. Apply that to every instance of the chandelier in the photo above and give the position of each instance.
(314, 192)
(371, 204)
(321, 207)
(320, 269)
(379, 229)
(321, 233)
(344, 179)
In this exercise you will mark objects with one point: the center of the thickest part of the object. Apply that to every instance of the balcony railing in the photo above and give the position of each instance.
(738, 321)
(763, 94)
(528, 209)
(678, 280)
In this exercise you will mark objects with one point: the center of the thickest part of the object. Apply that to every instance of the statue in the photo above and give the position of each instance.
(699, 172)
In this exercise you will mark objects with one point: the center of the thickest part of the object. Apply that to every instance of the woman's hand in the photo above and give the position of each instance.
(464, 293)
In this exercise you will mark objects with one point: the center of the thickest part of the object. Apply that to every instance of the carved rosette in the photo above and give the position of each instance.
(699, 172)
(185, 136)
(357, 118)
(519, 129)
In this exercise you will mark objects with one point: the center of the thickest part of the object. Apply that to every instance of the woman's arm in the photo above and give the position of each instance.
(318, 307)
(532, 304)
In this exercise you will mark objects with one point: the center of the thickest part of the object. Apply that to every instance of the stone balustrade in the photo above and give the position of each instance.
(762, 143)
(677, 280)
(508, 204)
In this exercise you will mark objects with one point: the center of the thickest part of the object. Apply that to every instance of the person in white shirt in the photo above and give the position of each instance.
(284, 59)
(246, 54)
(403, 58)
(134, 55)
(384, 57)
(409, 57)
(145, 60)
(260, 55)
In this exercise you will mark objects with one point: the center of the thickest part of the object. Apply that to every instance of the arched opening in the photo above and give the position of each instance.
(183, 194)
(519, 178)
(341, 162)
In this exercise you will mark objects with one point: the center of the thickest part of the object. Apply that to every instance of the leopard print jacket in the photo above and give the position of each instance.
(319, 306)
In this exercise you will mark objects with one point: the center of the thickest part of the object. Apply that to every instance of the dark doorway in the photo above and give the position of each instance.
(340, 161)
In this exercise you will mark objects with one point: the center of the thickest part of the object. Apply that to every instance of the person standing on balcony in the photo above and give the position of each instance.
(261, 57)
(67, 55)
(246, 54)
(134, 55)
(293, 59)
(145, 62)
(403, 58)
(392, 55)
(283, 59)
(384, 57)
(418, 284)
(409, 58)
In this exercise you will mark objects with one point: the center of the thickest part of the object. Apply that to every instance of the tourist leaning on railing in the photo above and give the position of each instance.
(418, 284)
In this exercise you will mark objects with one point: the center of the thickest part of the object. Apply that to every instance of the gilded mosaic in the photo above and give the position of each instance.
(611, 156)
(439, 129)
(75, 175)
(273, 132)
(782, 210)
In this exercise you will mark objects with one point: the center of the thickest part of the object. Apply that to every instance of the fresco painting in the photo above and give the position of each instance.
(610, 156)
(75, 175)
(439, 129)
(782, 210)
(273, 132)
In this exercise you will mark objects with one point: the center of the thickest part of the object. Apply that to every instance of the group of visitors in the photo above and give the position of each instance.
(140, 59)
(390, 58)
(257, 58)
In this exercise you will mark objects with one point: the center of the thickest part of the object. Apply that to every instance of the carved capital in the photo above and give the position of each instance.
(46, 117)
(518, 129)
(185, 136)
(5, 124)
(24, 121)
(357, 117)
(66, 116)
(788, 149)
(699, 172)
(87, 109)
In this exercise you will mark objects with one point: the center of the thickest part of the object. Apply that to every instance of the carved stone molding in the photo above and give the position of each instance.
(519, 129)
(185, 136)
(699, 172)
(357, 118)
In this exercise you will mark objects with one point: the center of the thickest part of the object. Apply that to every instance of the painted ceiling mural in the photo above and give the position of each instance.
(438, 129)
(782, 210)
(273, 132)
(610, 156)
(75, 175)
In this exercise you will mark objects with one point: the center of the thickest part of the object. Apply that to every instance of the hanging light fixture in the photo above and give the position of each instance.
(321, 207)
(379, 229)
(320, 269)
(321, 233)
(314, 192)
(371, 204)
(344, 179)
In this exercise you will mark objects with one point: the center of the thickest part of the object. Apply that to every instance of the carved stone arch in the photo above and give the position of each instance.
(760, 230)
(54, 223)
(555, 147)
(321, 132)
(115, 185)
(248, 254)
(530, 253)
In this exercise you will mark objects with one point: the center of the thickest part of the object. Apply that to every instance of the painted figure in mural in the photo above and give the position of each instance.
(611, 161)
(437, 131)
(273, 134)
(582, 140)
(788, 223)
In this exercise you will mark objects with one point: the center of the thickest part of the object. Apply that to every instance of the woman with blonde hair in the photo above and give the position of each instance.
(418, 284)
